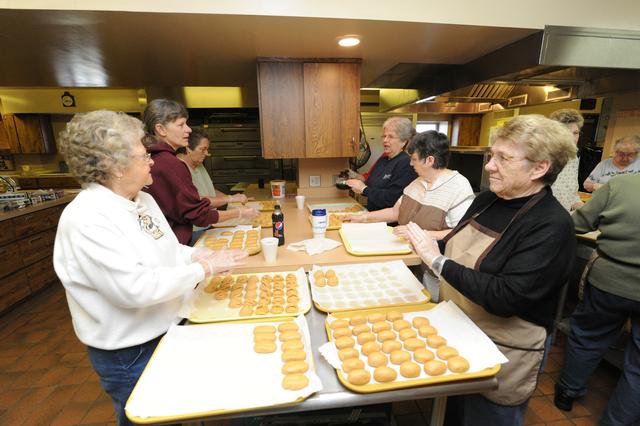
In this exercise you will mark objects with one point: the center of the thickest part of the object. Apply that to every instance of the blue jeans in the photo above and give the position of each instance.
(119, 371)
(595, 326)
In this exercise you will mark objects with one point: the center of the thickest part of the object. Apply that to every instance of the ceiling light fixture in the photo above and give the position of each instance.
(349, 41)
(423, 100)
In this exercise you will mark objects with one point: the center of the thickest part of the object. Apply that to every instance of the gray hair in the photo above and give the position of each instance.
(96, 142)
(628, 140)
(161, 111)
(542, 139)
(401, 126)
(568, 116)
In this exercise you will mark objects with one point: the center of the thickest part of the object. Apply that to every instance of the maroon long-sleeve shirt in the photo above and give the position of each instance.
(175, 193)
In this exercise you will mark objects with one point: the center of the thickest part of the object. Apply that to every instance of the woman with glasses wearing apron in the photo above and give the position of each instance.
(506, 261)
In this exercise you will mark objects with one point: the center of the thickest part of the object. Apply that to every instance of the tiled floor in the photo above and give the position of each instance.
(46, 378)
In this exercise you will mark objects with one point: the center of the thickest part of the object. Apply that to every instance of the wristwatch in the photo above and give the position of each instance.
(438, 263)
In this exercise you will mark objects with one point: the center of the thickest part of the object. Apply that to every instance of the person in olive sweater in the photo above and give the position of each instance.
(611, 298)
(388, 177)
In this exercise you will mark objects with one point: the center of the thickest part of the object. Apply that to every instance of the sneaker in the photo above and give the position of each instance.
(562, 400)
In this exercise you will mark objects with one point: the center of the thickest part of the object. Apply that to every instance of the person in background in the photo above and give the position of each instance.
(193, 156)
(392, 172)
(565, 188)
(611, 296)
(505, 263)
(625, 160)
(123, 269)
(167, 130)
(435, 200)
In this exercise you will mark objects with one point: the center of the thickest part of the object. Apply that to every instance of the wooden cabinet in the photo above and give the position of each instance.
(309, 109)
(29, 133)
(4, 137)
(26, 254)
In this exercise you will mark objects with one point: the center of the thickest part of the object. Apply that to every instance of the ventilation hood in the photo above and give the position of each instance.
(558, 63)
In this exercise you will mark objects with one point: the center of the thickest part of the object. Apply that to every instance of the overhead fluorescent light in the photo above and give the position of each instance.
(428, 99)
(349, 41)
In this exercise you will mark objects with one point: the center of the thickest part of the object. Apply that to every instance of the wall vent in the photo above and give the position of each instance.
(506, 113)
(558, 95)
(519, 100)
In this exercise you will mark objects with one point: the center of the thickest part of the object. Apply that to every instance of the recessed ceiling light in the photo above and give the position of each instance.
(348, 41)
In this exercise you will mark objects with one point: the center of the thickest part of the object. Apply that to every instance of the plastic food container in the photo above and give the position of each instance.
(277, 188)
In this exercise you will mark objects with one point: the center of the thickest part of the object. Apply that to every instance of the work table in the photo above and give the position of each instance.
(297, 227)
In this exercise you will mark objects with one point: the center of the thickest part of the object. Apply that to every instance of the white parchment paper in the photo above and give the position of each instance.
(204, 368)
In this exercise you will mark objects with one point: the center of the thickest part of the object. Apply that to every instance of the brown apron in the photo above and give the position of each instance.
(520, 341)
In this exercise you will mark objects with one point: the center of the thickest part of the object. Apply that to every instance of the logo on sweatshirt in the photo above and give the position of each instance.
(387, 176)
(150, 225)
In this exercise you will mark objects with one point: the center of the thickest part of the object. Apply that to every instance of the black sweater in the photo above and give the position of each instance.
(523, 274)
(387, 180)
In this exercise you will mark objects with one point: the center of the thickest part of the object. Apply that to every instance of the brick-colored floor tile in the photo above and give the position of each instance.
(23, 364)
(88, 392)
(73, 358)
(531, 417)
(585, 421)
(565, 422)
(54, 376)
(543, 407)
(580, 410)
(28, 379)
(546, 384)
(100, 412)
(78, 376)
(10, 397)
(24, 408)
(552, 365)
(52, 405)
(71, 414)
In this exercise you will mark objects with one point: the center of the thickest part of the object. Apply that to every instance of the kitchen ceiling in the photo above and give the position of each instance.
(125, 49)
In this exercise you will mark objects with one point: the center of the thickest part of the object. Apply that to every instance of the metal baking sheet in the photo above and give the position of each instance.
(202, 307)
(191, 376)
(461, 333)
(368, 285)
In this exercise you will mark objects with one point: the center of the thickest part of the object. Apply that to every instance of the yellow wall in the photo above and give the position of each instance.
(36, 100)
(495, 119)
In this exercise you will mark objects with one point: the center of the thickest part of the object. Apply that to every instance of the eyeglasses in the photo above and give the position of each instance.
(626, 154)
(578, 133)
(503, 159)
(145, 156)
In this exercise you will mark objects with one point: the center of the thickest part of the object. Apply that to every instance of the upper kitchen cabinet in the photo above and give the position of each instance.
(309, 109)
(29, 133)
(4, 137)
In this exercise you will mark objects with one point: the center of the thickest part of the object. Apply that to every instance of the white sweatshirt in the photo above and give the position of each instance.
(124, 284)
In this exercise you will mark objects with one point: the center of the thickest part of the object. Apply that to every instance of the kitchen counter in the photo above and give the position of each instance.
(31, 209)
(297, 227)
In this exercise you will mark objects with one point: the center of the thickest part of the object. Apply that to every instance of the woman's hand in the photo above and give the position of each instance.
(247, 213)
(222, 261)
(355, 175)
(401, 231)
(423, 243)
(356, 185)
(239, 198)
(355, 217)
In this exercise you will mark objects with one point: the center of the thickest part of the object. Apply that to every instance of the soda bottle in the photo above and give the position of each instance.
(277, 222)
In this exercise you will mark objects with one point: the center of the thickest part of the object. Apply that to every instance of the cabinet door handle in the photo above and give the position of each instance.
(33, 240)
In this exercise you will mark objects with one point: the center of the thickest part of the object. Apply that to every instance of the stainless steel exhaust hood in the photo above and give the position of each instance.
(578, 62)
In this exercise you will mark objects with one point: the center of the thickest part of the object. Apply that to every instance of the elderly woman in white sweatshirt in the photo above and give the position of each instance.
(123, 270)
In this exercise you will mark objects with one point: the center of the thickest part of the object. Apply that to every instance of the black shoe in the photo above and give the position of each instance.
(562, 400)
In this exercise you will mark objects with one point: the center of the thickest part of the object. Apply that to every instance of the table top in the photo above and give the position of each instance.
(297, 227)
